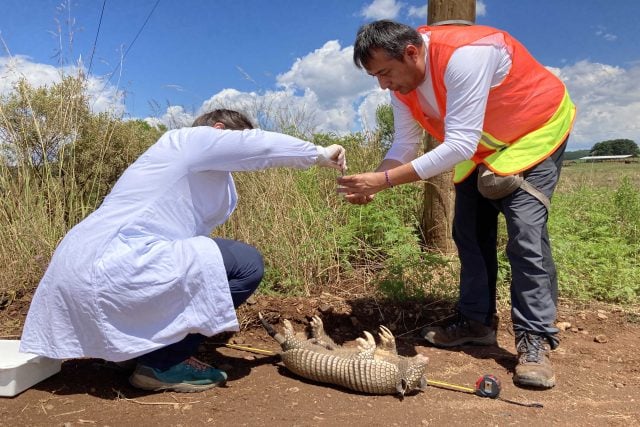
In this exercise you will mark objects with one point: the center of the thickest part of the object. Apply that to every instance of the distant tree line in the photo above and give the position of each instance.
(615, 147)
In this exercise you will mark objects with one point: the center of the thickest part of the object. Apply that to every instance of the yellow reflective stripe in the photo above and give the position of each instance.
(528, 150)
(462, 170)
(537, 145)
(491, 142)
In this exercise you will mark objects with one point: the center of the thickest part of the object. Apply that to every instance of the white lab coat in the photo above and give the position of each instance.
(141, 272)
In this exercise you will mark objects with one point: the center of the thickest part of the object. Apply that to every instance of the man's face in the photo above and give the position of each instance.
(397, 75)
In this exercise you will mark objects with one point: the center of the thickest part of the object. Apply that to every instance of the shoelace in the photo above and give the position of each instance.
(532, 346)
(197, 364)
(460, 323)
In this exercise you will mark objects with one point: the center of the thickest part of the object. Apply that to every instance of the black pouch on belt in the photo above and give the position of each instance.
(495, 187)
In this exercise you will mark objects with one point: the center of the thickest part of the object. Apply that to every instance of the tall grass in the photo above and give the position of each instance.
(58, 160)
(313, 240)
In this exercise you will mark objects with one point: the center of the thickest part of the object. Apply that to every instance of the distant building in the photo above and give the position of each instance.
(605, 158)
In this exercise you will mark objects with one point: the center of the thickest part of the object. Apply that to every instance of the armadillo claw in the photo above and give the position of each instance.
(317, 327)
(387, 340)
(366, 343)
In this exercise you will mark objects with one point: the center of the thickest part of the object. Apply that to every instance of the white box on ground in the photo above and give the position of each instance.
(19, 371)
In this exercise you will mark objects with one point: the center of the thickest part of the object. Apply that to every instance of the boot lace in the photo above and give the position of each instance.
(531, 347)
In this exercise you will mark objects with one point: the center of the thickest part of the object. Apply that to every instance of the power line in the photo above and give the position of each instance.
(130, 45)
(140, 30)
(95, 41)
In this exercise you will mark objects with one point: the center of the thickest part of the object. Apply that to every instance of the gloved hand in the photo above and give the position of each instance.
(332, 156)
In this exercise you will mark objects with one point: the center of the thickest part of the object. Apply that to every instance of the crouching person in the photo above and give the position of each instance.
(140, 278)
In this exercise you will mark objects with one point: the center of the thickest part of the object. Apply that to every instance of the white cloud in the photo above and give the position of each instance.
(481, 8)
(330, 73)
(419, 12)
(368, 106)
(323, 91)
(101, 97)
(602, 32)
(382, 9)
(608, 102)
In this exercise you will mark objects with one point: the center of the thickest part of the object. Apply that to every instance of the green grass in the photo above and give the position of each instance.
(59, 160)
(595, 231)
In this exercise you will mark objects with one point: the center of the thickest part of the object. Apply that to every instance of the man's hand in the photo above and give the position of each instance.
(364, 184)
(358, 199)
(332, 156)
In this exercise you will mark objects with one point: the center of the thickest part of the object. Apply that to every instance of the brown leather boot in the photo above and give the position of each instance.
(534, 363)
(459, 332)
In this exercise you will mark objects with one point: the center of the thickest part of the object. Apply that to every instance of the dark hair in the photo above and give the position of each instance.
(390, 36)
(229, 118)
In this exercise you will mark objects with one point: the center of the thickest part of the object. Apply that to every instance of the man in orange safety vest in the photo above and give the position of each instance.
(503, 121)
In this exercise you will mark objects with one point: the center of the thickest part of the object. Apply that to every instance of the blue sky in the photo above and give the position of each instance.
(293, 57)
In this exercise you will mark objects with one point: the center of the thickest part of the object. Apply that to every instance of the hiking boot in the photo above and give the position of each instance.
(185, 377)
(461, 331)
(534, 364)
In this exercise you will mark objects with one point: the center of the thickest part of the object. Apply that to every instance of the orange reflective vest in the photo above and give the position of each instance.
(528, 116)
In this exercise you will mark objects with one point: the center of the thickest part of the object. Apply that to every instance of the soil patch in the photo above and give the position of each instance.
(597, 368)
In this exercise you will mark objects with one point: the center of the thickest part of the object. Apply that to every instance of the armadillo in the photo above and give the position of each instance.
(368, 368)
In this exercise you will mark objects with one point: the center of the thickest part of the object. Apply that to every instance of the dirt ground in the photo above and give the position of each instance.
(597, 368)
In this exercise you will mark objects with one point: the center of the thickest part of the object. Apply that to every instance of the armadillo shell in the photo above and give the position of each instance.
(364, 375)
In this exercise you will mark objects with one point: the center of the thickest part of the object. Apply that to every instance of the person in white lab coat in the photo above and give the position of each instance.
(141, 278)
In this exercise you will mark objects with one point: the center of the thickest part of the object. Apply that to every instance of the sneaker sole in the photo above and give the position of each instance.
(147, 383)
(487, 340)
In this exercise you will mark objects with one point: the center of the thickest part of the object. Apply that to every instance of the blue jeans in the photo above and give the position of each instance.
(245, 269)
(534, 283)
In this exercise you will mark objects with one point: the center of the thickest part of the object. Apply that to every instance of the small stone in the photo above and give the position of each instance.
(250, 357)
(563, 326)
(601, 338)
(325, 308)
(251, 300)
(293, 389)
(618, 385)
(584, 332)
(574, 329)
(602, 316)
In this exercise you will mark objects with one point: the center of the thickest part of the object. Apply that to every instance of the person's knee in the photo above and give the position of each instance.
(257, 271)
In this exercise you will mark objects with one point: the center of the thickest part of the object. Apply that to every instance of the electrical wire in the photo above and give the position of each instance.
(95, 41)
(130, 46)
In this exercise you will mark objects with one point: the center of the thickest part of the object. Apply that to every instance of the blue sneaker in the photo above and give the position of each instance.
(186, 377)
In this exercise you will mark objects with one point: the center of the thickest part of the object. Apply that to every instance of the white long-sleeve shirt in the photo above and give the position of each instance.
(140, 272)
(471, 72)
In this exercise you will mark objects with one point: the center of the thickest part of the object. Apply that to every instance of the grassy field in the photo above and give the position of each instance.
(595, 231)
(58, 160)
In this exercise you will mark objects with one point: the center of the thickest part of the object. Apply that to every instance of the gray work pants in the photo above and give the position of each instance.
(534, 284)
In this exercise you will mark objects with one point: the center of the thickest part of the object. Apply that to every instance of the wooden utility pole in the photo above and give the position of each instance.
(439, 194)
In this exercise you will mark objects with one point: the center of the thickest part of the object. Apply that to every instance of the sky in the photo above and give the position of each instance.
(168, 61)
